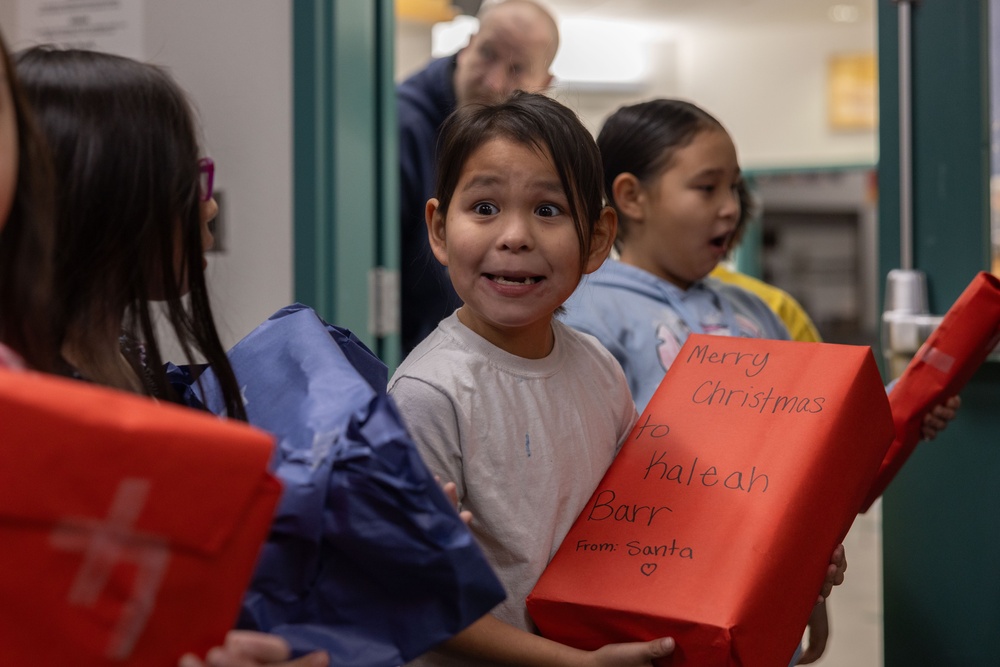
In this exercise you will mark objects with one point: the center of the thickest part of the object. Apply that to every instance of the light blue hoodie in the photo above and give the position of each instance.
(644, 320)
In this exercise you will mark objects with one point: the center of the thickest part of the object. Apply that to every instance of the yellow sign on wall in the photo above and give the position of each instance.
(425, 11)
(852, 92)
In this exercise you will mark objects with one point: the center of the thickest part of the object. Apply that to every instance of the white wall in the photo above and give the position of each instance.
(233, 57)
(765, 82)
(8, 19)
(413, 47)
(664, 81)
(768, 86)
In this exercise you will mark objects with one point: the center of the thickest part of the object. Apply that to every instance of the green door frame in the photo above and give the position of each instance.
(345, 167)
(941, 516)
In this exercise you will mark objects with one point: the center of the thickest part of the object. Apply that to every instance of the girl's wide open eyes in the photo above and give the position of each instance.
(484, 208)
(548, 210)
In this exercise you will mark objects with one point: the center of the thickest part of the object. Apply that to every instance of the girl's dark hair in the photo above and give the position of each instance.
(540, 123)
(26, 242)
(642, 139)
(749, 207)
(128, 219)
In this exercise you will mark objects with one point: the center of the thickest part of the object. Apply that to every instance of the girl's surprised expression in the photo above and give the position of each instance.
(8, 148)
(682, 221)
(511, 245)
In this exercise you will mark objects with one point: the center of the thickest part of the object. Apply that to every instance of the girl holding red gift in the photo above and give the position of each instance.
(517, 219)
(672, 174)
(523, 413)
(153, 232)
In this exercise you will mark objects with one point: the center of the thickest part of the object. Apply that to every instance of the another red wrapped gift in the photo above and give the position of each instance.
(941, 367)
(130, 528)
(716, 522)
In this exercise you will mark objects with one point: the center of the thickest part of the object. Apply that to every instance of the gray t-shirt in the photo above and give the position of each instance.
(525, 440)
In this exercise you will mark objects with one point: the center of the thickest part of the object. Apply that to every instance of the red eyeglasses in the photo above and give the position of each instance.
(206, 178)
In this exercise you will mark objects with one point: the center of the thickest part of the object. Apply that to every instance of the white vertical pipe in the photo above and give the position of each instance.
(905, 139)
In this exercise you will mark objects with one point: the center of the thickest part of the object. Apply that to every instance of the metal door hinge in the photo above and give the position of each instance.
(383, 301)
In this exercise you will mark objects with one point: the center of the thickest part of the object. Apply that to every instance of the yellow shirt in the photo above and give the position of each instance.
(784, 305)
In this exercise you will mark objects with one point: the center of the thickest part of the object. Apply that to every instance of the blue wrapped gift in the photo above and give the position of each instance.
(367, 559)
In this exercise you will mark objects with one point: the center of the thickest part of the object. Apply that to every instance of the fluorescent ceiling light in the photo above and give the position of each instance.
(593, 51)
(844, 13)
(449, 37)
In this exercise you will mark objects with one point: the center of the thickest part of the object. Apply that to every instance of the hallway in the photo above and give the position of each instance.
(856, 605)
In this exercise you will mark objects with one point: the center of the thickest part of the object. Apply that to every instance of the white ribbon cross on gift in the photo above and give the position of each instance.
(108, 542)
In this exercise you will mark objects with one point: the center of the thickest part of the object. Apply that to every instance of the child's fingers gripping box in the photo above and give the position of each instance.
(130, 528)
(716, 522)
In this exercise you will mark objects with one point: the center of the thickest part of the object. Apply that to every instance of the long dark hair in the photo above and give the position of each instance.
(541, 123)
(26, 242)
(128, 222)
(642, 139)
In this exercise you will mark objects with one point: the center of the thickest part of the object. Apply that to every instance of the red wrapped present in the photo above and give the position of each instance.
(941, 367)
(716, 522)
(130, 528)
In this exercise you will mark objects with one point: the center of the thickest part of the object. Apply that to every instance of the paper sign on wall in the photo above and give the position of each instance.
(112, 26)
(716, 522)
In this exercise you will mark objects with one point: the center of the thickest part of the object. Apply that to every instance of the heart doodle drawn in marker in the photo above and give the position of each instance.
(648, 568)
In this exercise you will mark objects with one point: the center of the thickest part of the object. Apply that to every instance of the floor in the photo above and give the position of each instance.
(856, 605)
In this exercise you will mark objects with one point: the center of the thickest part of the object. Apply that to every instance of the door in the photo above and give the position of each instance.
(941, 516)
(345, 167)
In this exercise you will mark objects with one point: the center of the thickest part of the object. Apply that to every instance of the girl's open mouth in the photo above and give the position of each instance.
(507, 280)
(722, 240)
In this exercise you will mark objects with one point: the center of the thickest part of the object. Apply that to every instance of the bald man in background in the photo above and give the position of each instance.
(513, 50)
